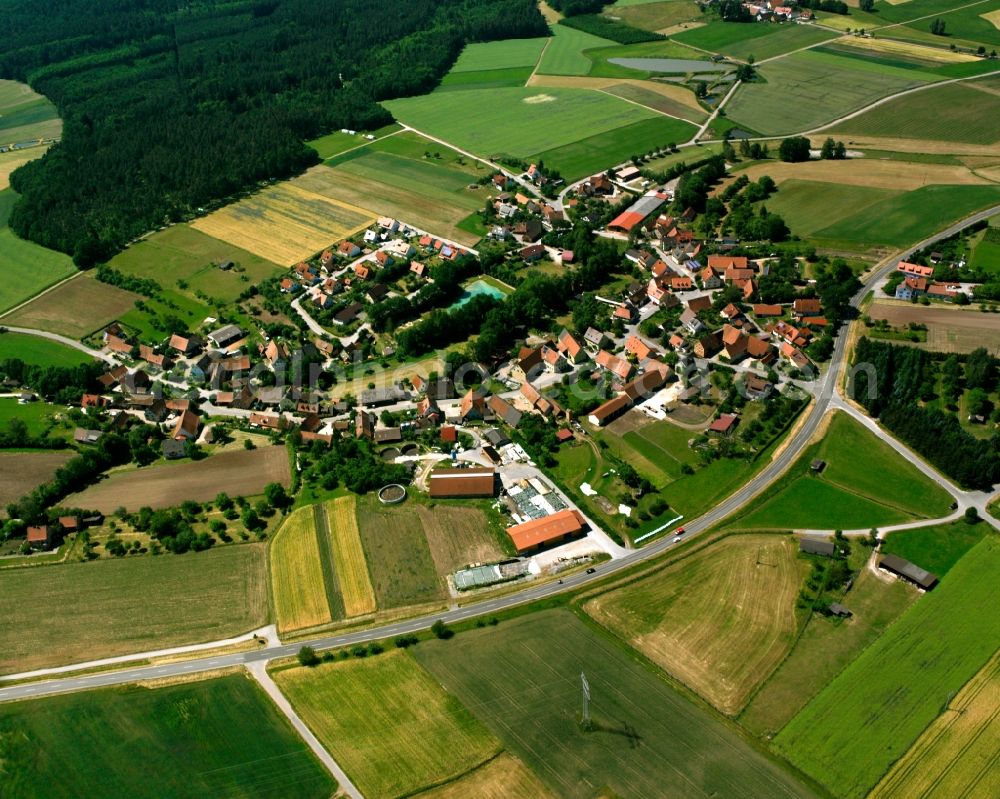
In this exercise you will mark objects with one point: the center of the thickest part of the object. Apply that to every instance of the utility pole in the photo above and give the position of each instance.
(585, 687)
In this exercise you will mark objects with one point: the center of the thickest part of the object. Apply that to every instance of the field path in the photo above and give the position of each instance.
(69, 342)
(259, 672)
(715, 113)
(538, 63)
(928, 16)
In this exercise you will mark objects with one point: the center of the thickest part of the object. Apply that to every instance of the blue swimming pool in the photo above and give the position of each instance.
(477, 288)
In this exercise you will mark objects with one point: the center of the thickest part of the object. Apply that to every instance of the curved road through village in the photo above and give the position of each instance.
(825, 398)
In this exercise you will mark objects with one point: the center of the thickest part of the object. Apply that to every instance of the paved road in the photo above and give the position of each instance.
(68, 342)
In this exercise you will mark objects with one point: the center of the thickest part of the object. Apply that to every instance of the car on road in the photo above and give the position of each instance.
(591, 570)
(680, 531)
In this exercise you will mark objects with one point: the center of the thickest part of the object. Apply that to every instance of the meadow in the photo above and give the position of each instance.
(399, 558)
(123, 606)
(686, 619)
(851, 492)
(388, 723)
(788, 100)
(284, 223)
(28, 268)
(40, 351)
(522, 680)
(504, 54)
(298, 581)
(760, 41)
(870, 714)
(956, 755)
(348, 556)
(76, 308)
(970, 119)
(237, 472)
(219, 737)
(825, 647)
(938, 547)
(564, 54)
(183, 255)
(337, 142)
(811, 205)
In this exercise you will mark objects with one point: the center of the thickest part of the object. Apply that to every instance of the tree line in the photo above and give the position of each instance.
(168, 109)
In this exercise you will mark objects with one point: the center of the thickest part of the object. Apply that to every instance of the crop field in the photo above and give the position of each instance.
(967, 24)
(971, 117)
(40, 351)
(28, 268)
(652, 96)
(936, 548)
(503, 54)
(458, 536)
(238, 473)
(911, 52)
(181, 253)
(910, 217)
(760, 41)
(789, 102)
(852, 492)
(655, 15)
(957, 754)
(826, 647)
(22, 472)
(122, 606)
(297, 578)
(504, 777)
(26, 115)
(349, 564)
(76, 309)
(284, 223)
(517, 121)
(810, 205)
(879, 173)
(948, 329)
(589, 155)
(686, 620)
(399, 559)
(871, 714)
(522, 680)
(219, 737)
(719, 36)
(388, 723)
(564, 55)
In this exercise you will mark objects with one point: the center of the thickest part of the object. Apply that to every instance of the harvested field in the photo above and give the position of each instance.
(349, 563)
(681, 99)
(504, 777)
(285, 223)
(122, 606)
(76, 309)
(297, 578)
(21, 472)
(720, 621)
(923, 52)
(238, 473)
(957, 754)
(388, 723)
(458, 536)
(869, 173)
(12, 160)
(399, 559)
(949, 329)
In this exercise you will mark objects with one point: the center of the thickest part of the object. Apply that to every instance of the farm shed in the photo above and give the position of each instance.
(908, 571)
(547, 530)
(811, 546)
(463, 483)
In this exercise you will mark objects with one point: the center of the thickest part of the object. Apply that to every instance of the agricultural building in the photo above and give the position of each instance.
(810, 546)
(610, 410)
(548, 530)
(638, 212)
(463, 483)
(908, 571)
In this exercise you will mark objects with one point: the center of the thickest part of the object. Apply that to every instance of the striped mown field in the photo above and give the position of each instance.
(349, 564)
(297, 577)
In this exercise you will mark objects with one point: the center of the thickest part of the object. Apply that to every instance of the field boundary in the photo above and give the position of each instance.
(334, 596)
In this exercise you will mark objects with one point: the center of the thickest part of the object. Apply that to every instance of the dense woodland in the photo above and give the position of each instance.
(170, 106)
(906, 378)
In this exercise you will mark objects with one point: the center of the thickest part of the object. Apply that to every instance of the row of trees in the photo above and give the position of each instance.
(168, 109)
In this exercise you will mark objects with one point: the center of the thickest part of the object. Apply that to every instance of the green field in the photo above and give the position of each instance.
(37, 416)
(910, 217)
(26, 115)
(338, 141)
(181, 254)
(852, 492)
(522, 679)
(387, 723)
(826, 646)
(761, 41)
(809, 205)
(971, 116)
(518, 122)
(564, 55)
(118, 607)
(936, 548)
(654, 15)
(220, 737)
(503, 54)
(28, 268)
(964, 24)
(789, 100)
(661, 48)
(486, 79)
(39, 351)
(867, 718)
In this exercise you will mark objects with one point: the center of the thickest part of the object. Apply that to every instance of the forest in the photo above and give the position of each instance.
(170, 107)
(905, 381)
